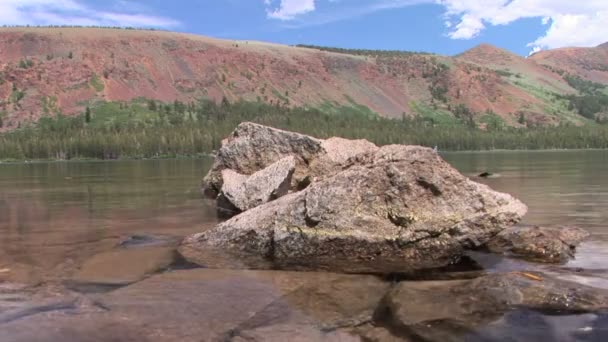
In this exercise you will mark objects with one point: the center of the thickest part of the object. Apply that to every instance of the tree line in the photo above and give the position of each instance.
(364, 52)
(150, 129)
(85, 26)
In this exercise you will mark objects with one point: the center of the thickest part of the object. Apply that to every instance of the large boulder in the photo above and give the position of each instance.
(397, 209)
(467, 309)
(253, 147)
(240, 193)
(540, 244)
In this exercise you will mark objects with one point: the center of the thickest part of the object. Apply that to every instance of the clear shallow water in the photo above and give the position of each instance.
(55, 215)
(559, 187)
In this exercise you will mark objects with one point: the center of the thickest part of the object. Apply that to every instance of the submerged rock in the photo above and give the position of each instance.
(294, 333)
(15, 272)
(396, 209)
(208, 305)
(252, 147)
(375, 333)
(68, 325)
(485, 174)
(457, 310)
(228, 305)
(149, 240)
(123, 266)
(224, 305)
(541, 244)
(13, 296)
(240, 193)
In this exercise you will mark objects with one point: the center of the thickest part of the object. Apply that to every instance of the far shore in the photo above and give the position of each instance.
(210, 155)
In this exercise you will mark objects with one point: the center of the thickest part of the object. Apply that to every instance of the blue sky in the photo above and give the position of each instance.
(440, 26)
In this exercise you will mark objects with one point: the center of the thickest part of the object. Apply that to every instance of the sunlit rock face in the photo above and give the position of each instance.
(253, 147)
(240, 193)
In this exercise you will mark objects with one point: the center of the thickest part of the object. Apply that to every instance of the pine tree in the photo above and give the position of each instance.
(87, 115)
(225, 102)
(152, 105)
(522, 119)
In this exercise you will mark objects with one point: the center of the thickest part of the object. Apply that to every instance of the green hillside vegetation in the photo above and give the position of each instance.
(554, 103)
(149, 129)
(590, 103)
(492, 121)
(434, 116)
(96, 83)
(592, 100)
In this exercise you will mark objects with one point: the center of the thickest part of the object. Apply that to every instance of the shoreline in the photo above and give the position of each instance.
(210, 155)
(501, 150)
(82, 160)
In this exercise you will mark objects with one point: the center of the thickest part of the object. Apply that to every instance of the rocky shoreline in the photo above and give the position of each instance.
(328, 240)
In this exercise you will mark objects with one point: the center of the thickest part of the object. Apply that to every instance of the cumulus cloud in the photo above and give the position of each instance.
(570, 23)
(74, 12)
(289, 9)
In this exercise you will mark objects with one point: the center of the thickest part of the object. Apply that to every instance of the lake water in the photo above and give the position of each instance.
(56, 216)
(559, 187)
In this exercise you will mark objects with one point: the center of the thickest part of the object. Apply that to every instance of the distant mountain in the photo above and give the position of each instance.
(45, 71)
(588, 63)
(506, 63)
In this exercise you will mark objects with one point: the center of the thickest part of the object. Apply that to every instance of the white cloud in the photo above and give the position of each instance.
(289, 9)
(571, 23)
(534, 50)
(575, 30)
(73, 12)
(546, 20)
(302, 13)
